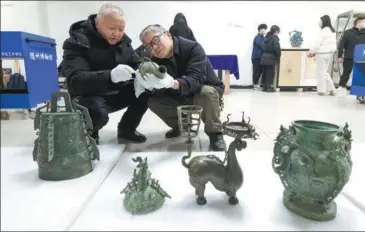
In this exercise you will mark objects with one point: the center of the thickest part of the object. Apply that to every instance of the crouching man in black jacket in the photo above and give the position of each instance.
(190, 80)
(98, 62)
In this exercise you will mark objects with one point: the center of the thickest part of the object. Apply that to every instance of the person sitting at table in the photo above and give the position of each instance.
(190, 80)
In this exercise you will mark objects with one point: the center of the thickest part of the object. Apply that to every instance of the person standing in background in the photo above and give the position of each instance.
(270, 58)
(257, 51)
(181, 28)
(350, 38)
(323, 50)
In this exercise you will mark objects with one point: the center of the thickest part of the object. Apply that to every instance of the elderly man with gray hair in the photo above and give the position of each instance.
(98, 63)
(190, 80)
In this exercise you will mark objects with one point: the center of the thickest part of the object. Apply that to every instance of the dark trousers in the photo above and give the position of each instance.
(256, 71)
(268, 74)
(101, 106)
(347, 69)
(165, 107)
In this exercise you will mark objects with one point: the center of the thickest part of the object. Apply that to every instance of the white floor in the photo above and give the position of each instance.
(93, 202)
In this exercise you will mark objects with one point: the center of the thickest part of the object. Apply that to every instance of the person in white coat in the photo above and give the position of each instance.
(323, 49)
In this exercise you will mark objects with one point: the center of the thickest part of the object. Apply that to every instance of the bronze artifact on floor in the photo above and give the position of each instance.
(143, 194)
(63, 148)
(313, 162)
(226, 175)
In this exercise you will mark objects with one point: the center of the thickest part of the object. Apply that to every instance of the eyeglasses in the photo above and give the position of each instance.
(155, 41)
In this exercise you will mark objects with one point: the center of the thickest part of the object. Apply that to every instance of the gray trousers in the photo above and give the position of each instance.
(165, 107)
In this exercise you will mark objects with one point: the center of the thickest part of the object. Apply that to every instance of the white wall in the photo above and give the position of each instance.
(23, 16)
(221, 27)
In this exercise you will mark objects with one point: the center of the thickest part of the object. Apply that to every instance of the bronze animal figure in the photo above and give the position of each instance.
(226, 176)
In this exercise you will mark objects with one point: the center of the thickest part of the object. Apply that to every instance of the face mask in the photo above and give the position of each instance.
(363, 25)
(320, 24)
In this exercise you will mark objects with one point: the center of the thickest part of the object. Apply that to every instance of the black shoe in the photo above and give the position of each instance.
(95, 136)
(173, 133)
(217, 142)
(134, 137)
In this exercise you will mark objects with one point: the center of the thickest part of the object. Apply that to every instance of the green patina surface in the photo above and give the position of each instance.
(63, 148)
(149, 67)
(313, 162)
(143, 194)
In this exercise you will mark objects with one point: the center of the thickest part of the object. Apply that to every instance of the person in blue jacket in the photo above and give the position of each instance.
(257, 52)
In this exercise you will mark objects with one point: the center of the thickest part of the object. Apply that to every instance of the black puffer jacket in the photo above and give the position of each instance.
(181, 28)
(141, 51)
(272, 51)
(190, 67)
(350, 39)
(88, 59)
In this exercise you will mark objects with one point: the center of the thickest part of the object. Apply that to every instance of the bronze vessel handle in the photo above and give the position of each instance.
(66, 98)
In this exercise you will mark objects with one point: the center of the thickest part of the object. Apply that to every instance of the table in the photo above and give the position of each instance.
(228, 64)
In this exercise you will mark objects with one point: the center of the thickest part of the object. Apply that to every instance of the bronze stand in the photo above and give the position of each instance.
(189, 123)
(226, 175)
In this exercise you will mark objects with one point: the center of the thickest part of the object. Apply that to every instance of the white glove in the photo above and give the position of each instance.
(140, 85)
(121, 73)
(157, 83)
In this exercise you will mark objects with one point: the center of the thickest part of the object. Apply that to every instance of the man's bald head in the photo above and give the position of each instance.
(110, 23)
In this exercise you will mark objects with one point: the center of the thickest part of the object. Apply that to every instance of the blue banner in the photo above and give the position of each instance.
(39, 54)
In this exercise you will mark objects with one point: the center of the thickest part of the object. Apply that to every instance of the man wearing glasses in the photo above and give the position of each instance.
(98, 62)
(190, 80)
